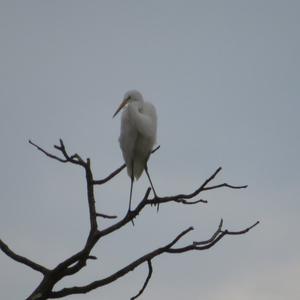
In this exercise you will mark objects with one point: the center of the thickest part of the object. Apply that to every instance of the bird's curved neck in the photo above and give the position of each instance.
(135, 107)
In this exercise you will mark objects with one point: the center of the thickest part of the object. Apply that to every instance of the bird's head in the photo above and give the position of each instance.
(130, 97)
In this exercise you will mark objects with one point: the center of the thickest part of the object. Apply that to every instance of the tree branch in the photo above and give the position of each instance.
(117, 171)
(75, 158)
(225, 185)
(216, 237)
(130, 267)
(79, 259)
(241, 231)
(76, 262)
(128, 217)
(180, 198)
(150, 270)
(91, 197)
(47, 153)
(110, 176)
(183, 198)
(22, 259)
(106, 216)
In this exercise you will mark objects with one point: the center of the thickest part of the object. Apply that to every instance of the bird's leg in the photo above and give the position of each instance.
(131, 186)
(146, 170)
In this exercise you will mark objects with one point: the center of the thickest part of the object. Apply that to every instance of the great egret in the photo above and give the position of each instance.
(138, 135)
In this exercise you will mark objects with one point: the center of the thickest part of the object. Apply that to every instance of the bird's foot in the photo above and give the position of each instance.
(157, 203)
(156, 198)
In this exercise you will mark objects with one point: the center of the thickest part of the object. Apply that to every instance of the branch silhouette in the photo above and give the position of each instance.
(77, 261)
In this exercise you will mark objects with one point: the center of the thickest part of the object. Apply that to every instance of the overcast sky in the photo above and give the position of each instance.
(224, 77)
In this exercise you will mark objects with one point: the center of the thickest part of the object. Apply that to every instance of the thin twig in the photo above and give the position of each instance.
(184, 201)
(47, 153)
(75, 158)
(241, 231)
(225, 185)
(105, 216)
(22, 259)
(216, 237)
(110, 176)
(150, 270)
(182, 198)
(117, 171)
(155, 149)
(197, 243)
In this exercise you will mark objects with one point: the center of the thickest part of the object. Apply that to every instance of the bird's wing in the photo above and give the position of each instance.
(128, 137)
(146, 124)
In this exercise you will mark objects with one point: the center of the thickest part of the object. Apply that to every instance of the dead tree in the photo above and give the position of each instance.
(74, 263)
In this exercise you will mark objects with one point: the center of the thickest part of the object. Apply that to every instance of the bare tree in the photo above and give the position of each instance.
(73, 264)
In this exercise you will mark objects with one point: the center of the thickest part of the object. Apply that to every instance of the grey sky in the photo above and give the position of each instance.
(224, 77)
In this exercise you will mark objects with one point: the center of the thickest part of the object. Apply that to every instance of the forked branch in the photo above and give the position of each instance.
(150, 271)
(77, 261)
(169, 248)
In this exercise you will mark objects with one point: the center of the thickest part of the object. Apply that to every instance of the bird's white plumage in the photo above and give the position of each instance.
(138, 132)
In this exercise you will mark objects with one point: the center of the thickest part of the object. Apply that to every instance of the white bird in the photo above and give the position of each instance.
(138, 135)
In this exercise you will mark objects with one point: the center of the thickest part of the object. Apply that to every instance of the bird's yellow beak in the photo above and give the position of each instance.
(124, 102)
